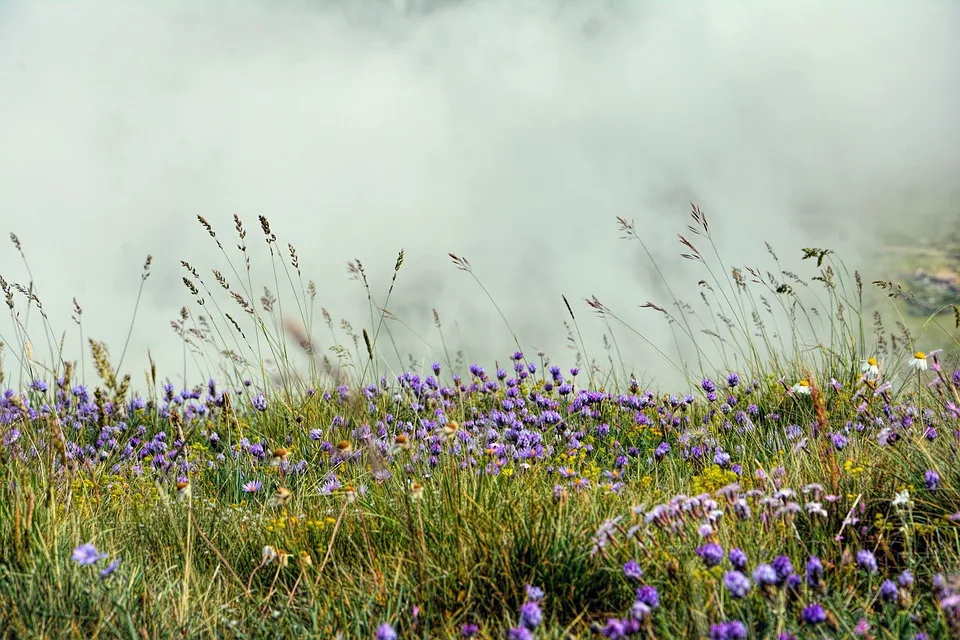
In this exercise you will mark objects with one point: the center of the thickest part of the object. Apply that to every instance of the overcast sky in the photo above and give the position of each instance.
(512, 133)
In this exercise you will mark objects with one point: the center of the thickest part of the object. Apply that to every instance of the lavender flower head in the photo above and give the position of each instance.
(867, 561)
(386, 632)
(814, 614)
(87, 554)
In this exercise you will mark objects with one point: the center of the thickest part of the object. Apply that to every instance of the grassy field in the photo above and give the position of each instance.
(805, 486)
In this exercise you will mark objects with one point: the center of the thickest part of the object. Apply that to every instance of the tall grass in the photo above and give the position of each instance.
(311, 492)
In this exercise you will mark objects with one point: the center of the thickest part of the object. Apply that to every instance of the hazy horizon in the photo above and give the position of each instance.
(511, 133)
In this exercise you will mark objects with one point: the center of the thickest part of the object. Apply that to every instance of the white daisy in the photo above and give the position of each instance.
(802, 387)
(870, 369)
(919, 361)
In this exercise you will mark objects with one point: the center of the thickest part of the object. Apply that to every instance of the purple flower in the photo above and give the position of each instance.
(109, 569)
(931, 479)
(632, 570)
(252, 487)
(867, 561)
(662, 450)
(783, 567)
(738, 558)
(737, 584)
(469, 630)
(905, 579)
(733, 630)
(520, 633)
(814, 614)
(533, 593)
(649, 596)
(711, 554)
(530, 615)
(386, 632)
(888, 591)
(765, 575)
(87, 554)
(260, 402)
(814, 571)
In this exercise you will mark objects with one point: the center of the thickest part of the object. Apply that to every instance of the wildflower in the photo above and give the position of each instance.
(416, 490)
(109, 569)
(469, 630)
(305, 560)
(931, 479)
(632, 570)
(280, 497)
(705, 530)
(733, 630)
(253, 486)
(870, 369)
(530, 615)
(839, 441)
(902, 498)
(604, 534)
(711, 554)
(737, 584)
(888, 591)
(386, 632)
(814, 571)
(862, 628)
(183, 490)
(87, 554)
(260, 402)
(867, 561)
(765, 575)
(814, 614)
(905, 579)
(350, 493)
(268, 555)
(738, 558)
(278, 457)
(533, 593)
(802, 387)
(520, 633)
(783, 567)
(649, 596)
(919, 361)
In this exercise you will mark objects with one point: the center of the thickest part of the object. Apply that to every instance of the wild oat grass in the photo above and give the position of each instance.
(804, 484)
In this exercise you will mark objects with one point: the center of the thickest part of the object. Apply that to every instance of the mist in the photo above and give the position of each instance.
(512, 133)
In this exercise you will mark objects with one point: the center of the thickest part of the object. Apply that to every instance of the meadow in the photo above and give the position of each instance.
(803, 484)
